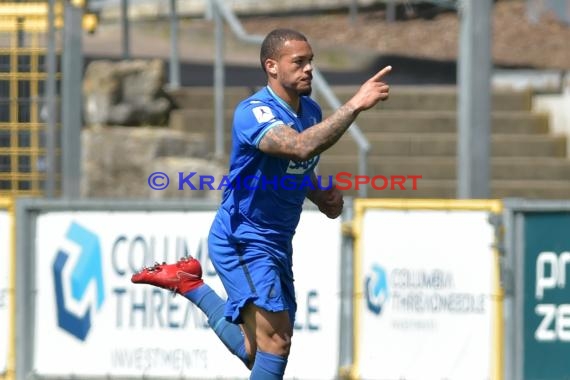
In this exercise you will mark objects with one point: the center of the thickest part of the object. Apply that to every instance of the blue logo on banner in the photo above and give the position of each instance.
(88, 268)
(376, 289)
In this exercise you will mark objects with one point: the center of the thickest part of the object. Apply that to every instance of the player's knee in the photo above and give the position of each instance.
(285, 344)
(277, 344)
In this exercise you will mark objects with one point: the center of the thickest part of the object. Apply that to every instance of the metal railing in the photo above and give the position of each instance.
(26, 155)
(221, 12)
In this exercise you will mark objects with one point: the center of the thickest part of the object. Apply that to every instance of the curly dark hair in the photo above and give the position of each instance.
(271, 45)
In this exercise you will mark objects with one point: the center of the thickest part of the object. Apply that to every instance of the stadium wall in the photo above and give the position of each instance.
(434, 289)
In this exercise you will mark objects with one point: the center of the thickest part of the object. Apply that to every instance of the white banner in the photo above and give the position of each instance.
(5, 260)
(105, 325)
(426, 309)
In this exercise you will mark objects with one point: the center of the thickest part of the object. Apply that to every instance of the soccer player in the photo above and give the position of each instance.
(278, 135)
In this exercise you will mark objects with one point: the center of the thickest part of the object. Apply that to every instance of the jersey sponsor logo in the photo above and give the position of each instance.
(263, 114)
(301, 167)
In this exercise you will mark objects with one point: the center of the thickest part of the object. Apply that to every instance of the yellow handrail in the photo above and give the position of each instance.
(7, 204)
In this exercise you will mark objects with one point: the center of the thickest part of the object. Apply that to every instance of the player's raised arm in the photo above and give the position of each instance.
(284, 141)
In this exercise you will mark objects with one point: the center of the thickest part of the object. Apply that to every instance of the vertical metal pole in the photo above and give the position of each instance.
(518, 299)
(219, 80)
(72, 101)
(353, 12)
(363, 170)
(391, 11)
(25, 264)
(509, 262)
(125, 29)
(174, 57)
(532, 11)
(346, 333)
(21, 36)
(208, 10)
(474, 106)
(50, 104)
(497, 302)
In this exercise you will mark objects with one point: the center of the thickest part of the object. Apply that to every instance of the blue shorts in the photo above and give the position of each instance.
(250, 272)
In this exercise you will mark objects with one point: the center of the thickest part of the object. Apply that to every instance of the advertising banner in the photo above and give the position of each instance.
(546, 299)
(5, 258)
(107, 326)
(425, 309)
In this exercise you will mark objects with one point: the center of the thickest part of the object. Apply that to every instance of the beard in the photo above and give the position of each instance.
(306, 92)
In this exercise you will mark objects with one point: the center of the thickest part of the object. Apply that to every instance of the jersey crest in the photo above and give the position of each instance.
(263, 114)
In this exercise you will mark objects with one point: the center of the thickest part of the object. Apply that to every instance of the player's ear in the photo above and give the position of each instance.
(271, 66)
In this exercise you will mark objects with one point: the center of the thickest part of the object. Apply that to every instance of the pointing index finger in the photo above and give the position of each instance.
(380, 74)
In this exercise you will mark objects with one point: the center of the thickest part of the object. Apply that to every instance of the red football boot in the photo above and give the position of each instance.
(181, 277)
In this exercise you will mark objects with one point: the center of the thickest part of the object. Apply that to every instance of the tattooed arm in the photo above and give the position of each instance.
(285, 142)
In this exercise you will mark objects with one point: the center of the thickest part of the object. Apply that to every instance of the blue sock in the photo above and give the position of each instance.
(213, 306)
(268, 367)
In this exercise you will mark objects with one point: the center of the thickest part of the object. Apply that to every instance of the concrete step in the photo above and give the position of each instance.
(446, 122)
(428, 98)
(552, 189)
(437, 168)
(436, 98)
(430, 146)
(444, 144)
(198, 98)
(387, 121)
(415, 133)
(499, 189)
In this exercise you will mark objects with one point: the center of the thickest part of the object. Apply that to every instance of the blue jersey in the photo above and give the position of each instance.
(263, 204)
